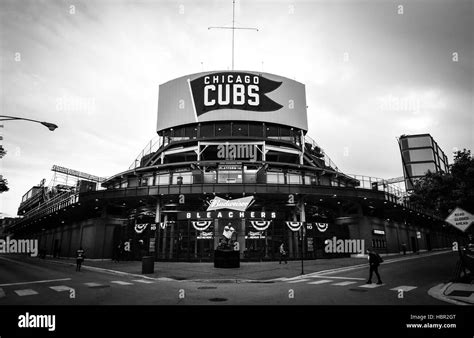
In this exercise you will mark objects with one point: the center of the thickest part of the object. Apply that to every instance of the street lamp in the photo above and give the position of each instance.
(50, 126)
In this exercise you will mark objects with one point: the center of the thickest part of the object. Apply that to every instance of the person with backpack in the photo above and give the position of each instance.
(79, 258)
(374, 262)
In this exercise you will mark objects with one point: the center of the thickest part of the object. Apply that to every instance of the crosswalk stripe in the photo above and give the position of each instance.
(2, 293)
(60, 288)
(119, 282)
(343, 283)
(144, 281)
(333, 277)
(370, 286)
(322, 281)
(404, 288)
(298, 281)
(95, 285)
(26, 292)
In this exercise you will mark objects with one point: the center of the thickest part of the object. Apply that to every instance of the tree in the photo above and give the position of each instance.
(445, 191)
(3, 184)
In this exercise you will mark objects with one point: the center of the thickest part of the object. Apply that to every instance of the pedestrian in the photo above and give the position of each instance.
(283, 253)
(374, 262)
(404, 248)
(79, 258)
(118, 252)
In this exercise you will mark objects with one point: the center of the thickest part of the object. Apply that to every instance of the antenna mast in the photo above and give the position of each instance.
(233, 30)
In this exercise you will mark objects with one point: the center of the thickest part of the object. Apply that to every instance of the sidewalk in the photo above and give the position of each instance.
(454, 293)
(248, 271)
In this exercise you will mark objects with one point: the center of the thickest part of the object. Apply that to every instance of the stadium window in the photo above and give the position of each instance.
(222, 129)
(256, 130)
(271, 131)
(190, 132)
(206, 130)
(240, 129)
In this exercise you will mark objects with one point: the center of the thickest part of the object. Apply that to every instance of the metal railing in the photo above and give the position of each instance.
(153, 145)
(327, 160)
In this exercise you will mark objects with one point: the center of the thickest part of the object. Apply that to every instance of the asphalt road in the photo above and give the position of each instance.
(46, 283)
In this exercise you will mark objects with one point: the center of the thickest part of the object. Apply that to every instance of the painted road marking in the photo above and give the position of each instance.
(60, 288)
(26, 292)
(298, 281)
(144, 281)
(321, 281)
(333, 277)
(2, 293)
(404, 288)
(38, 281)
(343, 283)
(119, 282)
(96, 285)
(370, 286)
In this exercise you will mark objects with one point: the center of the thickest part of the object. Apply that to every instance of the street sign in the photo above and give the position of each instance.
(460, 219)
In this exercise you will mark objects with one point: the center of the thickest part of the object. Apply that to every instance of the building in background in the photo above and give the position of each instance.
(420, 154)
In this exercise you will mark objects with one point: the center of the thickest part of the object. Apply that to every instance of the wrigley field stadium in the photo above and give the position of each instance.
(232, 150)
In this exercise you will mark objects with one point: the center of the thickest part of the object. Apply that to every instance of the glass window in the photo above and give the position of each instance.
(210, 177)
(222, 129)
(144, 180)
(294, 179)
(271, 131)
(275, 178)
(420, 155)
(182, 178)
(240, 129)
(163, 179)
(420, 169)
(230, 176)
(190, 132)
(256, 130)
(207, 130)
(150, 180)
(421, 141)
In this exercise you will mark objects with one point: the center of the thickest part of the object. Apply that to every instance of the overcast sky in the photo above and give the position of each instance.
(372, 70)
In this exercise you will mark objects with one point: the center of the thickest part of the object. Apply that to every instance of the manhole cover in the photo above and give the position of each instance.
(218, 299)
(461, 293)
(207, 287)
(358, 290)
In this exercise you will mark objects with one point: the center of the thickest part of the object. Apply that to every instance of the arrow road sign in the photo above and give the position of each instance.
(460, 219)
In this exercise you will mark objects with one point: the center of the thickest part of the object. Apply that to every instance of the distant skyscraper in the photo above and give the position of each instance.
(420, 154)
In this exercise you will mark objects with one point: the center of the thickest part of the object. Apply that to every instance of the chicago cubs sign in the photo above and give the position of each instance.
(232, 96)
(233, 90)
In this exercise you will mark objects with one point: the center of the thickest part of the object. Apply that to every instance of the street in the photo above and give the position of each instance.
(406, 281)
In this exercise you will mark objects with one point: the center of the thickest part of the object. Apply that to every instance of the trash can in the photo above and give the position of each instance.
(148, 264)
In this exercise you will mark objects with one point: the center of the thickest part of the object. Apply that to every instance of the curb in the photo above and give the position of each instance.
(438, 293)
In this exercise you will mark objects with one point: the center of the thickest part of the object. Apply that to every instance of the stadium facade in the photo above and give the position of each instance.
(231, 150)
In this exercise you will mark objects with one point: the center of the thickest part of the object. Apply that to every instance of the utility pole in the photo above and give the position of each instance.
(233, 30)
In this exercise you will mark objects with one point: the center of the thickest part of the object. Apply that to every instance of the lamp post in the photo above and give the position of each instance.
(50, 126)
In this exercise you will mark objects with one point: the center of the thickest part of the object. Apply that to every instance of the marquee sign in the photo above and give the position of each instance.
(208, 215)
(239, 204)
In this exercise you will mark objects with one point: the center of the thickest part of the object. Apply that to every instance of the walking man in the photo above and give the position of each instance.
(79, 258)
(283, 253)
(374, 262)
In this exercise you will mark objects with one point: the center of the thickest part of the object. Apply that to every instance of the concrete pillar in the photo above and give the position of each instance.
(163, 246)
